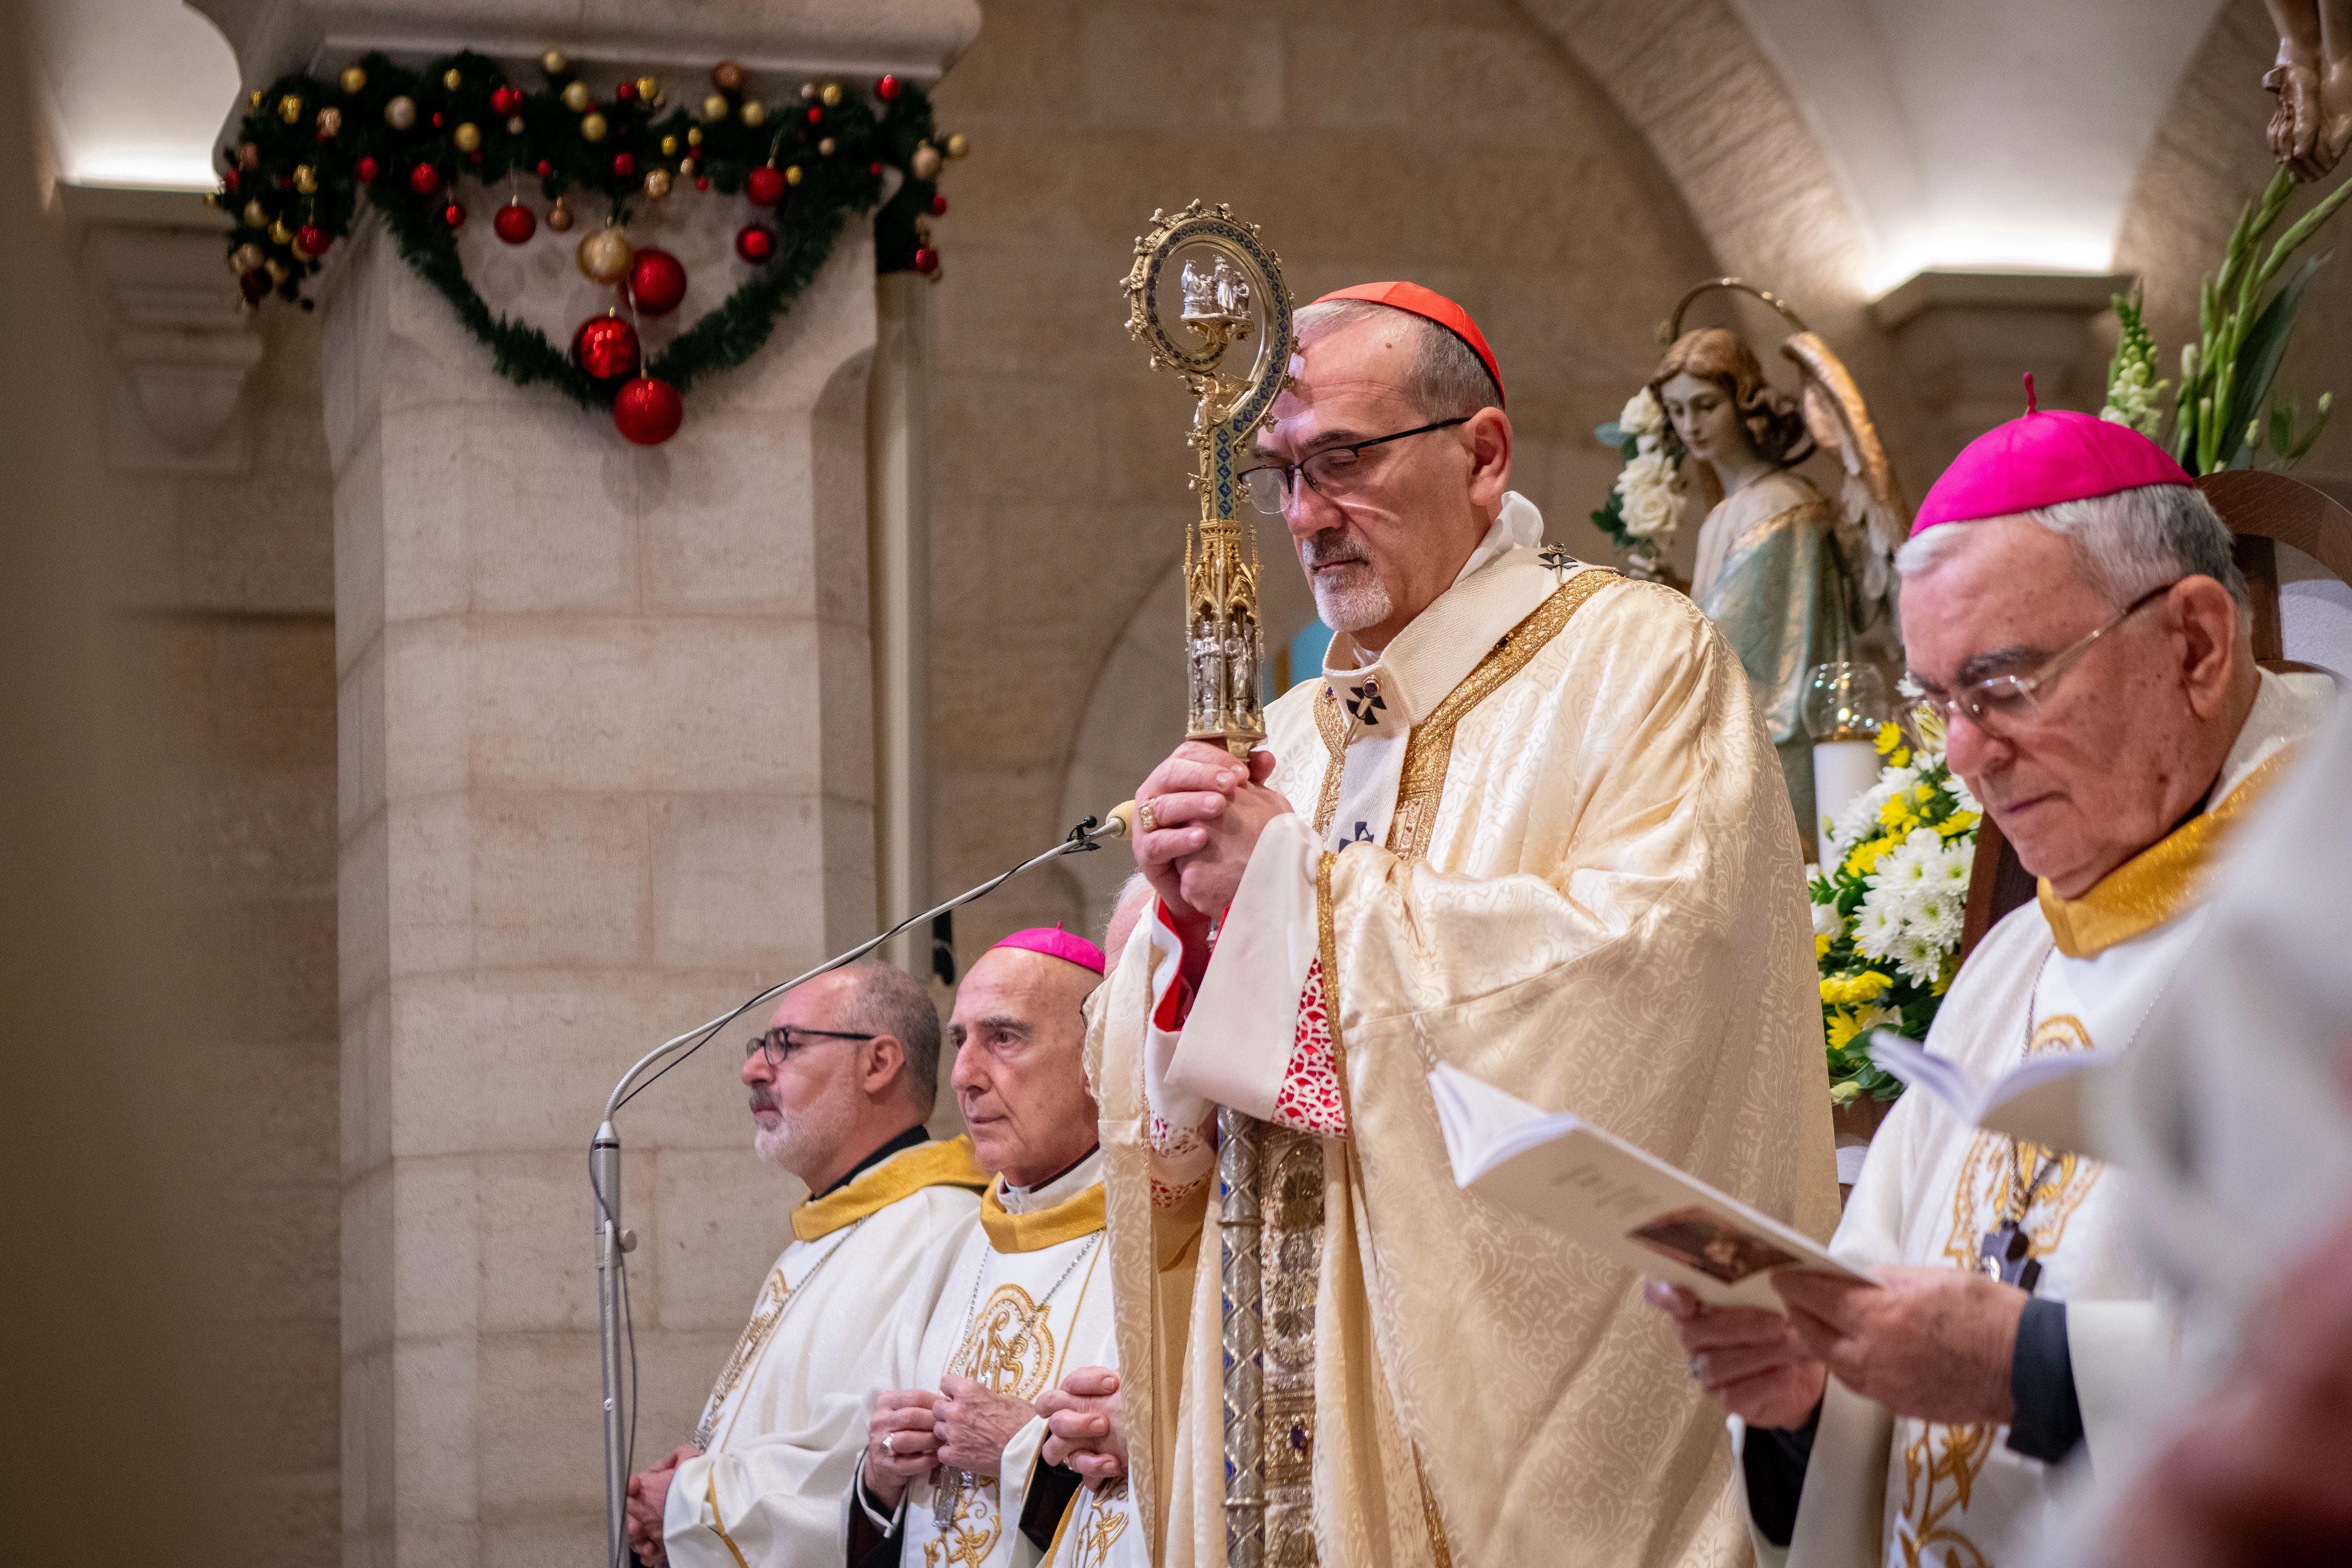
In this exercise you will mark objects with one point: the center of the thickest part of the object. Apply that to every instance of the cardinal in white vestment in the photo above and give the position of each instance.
(2072, 610)
(1526, 823)
(952, 1474)
(840, 1084)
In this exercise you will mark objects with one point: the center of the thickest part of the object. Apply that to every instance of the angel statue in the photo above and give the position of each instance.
(1790, 579)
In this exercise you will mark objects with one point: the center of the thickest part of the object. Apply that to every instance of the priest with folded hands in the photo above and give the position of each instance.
(2071, 608)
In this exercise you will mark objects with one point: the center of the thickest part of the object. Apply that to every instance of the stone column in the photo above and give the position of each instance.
(606, 766)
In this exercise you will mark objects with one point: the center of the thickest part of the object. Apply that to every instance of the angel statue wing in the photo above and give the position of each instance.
(1874, 518)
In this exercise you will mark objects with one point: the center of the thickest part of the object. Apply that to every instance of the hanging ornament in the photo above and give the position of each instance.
(468, 137)
(826, 147)
(830, 95)
(624, 90)
(367, 171)
(927, 260)
(958, 144)
(514, 222)
(925, 164)
(255, 214)
(278, 233)
(649, 92)
(553, 63)
(694, 136)
(558, 216)
(605, 347)
(514, 125)
(648, 412)
(764, 185)
(249, 155)
(254, 284)
(247, 257)
(593, 127)
(727, 76)
(754, 112)
(399, 113)
(938, 204)
(603, 255)
(310, 242)
(278, 272)
(354, 78)
(886, 89)
(425, 179)
(575, 97)
(330, 122)
(714, 107)
(657, 281)
(755, 243)
(506, 100)
(453, 215)
(545, 168)
(289, 108)
(453, 78)
(656, 183)
(792, 173)
(623, 166)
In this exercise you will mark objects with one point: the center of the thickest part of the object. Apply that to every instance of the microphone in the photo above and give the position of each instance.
(1119, 822)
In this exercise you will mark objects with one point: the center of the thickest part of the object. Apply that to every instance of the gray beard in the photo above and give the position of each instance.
(1351, 606)
(805, 1141)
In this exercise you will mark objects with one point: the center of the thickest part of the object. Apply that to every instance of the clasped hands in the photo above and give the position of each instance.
(1208, 808)
(1935, 1344)
(648, 1498)
(963, 1426)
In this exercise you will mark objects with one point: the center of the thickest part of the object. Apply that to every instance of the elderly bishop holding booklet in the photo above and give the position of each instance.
(2071, 606)
(1526, 823)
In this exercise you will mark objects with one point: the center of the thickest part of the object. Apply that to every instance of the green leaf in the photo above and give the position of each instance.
(2258, 358)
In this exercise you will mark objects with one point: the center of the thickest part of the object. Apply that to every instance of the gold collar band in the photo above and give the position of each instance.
(1066, 1221)
(948, 1165)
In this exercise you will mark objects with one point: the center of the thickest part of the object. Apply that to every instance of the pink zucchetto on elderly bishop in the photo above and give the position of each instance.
(1055, 942)
(2042, 459)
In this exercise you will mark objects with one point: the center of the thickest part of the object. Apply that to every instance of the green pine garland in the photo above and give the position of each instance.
(306, 144)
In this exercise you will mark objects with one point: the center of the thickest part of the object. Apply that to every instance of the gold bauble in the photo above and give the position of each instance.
(604, 255)
(399, 113)
(278, 272)
(289, 108)
(830, 95)
(452, 78)
(792, 173)
(714, 107)
(754, 112)
(330, 121)
(354, 78)
(256, 215)
(958, 144)
(278, 233)
(249, 256)
(686, 168)
(253, 99)
(669, 146)
(825, 148)
(925, 164)
(305, 179)
(553, 63)
(694, 136)
(649, 91)
(592, 128)
(558, 216)
(468, 137)
(657, 182)
(575, 96)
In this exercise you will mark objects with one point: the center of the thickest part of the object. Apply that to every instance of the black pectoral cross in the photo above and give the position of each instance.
(2006, 1254)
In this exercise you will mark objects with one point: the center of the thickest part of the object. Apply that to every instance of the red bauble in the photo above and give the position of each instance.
(626, 91)
(816, 115)
(755, 243)
(701, 182)
(886, 89)
(507, 100)
(545, 168)
(939, 204)
(764, 185)
(623, 166)
(927, 260)
(425, 179)
(439, 119)
(368, 170)
(657, 281)
(875, 170)
(312, 241)
(514, 222)
(647, 411)
(255, 284)
(228, 181)
(605, 347)
(453, 215)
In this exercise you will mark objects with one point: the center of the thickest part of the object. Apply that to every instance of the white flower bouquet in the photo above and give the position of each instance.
(1645, 504)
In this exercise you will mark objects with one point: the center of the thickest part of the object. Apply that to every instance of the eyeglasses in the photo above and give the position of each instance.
(1333, 472)
(2000, 705)
(781, 1042)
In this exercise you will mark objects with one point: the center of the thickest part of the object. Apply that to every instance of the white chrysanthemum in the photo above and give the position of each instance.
(1859, 821)
(1935, 916)
(1919, 956)
(1827, 921)
(1951, 868)
(1878, 925)
(1649, 487)
(1911, 866)
(1962, 799)
(1642, 416)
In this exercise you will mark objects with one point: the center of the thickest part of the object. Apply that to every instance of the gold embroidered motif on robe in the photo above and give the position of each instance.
(756, 1335)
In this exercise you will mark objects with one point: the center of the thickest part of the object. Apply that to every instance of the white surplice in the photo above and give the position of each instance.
(786, 1419)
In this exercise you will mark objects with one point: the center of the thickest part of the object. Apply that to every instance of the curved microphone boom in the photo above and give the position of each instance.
(614, 1243)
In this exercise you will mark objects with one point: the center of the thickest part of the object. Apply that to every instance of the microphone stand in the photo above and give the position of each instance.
(614, 1243)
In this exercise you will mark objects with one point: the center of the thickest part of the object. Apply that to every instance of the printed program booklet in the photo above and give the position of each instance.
(1610, 1195)
(2041, 1099)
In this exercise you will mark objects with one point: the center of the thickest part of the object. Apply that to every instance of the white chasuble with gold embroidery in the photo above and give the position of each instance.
(1027, 1301)
(1577, 877)
(786, 1419)
(1936, 1193)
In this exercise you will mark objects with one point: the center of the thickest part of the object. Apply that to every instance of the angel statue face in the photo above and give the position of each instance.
(1705, 419)
(1724, 410)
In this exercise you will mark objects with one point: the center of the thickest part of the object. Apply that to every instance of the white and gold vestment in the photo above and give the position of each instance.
(1542, 837)
(786, 1420)
(2053, 975)
(1027, 1301)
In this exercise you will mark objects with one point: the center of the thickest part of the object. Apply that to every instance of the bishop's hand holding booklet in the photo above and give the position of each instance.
(1614, 1197)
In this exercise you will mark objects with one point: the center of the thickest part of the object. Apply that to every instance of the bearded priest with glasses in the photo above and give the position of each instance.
(2071, 604)
(840, 1085)
(1526, 822)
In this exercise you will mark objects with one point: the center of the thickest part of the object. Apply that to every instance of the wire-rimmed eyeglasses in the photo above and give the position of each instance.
(1998, 706)
(1332, 472)
(781, 1042)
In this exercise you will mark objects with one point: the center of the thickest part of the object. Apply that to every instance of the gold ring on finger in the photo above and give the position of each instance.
(1143, 816)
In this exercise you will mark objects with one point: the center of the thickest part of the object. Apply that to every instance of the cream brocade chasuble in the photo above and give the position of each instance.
(1913, 1494)
(1573, 872)
(785, 1422)
(1027, 1301)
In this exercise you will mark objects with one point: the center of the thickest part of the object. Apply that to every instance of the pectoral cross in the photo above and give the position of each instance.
(2006, 1254)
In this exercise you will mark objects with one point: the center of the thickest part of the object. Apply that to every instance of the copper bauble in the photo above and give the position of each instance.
(605, 347)
(647, 411)
(727, 76)
(400, 113)
(656, 183)
(603, 257)
(330, 122)
(657, 281)
(558, 216)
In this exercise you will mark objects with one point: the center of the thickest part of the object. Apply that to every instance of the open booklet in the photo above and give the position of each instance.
(1612, 1196)
(2038, 1100)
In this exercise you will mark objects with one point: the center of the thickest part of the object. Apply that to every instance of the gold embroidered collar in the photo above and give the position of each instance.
(948, 1165)
(1066, 1221)
(2160, 883)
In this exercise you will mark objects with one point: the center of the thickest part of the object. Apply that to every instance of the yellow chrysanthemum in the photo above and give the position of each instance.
(1959, 822)
(1822, 945)
(1866, 856)
(1889, 737)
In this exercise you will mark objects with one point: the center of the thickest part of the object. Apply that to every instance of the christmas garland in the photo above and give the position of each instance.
(308, 149)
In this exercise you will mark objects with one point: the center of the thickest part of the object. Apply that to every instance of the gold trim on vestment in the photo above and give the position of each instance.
(1066, 1221)
(948, 1165)
(1334, 731)
(2162, 880)
(710, 1490)
(1429, 749)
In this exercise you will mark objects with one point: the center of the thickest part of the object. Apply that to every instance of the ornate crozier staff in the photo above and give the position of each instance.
(1229, 289)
